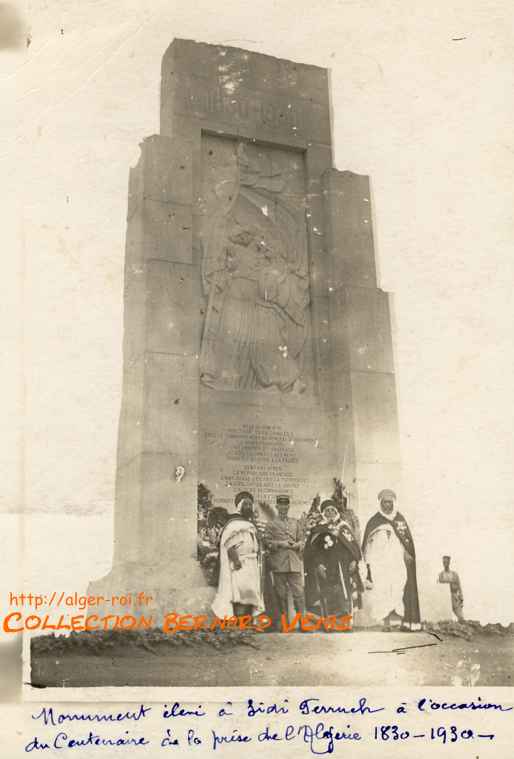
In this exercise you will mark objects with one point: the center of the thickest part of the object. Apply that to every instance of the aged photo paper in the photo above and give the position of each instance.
(258, 489)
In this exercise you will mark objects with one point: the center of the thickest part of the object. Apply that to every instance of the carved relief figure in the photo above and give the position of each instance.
(255, 276)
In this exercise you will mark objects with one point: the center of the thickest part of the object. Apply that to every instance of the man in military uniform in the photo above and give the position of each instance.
(285, 541)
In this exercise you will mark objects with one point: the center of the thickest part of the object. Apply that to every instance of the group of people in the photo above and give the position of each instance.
(317, 564)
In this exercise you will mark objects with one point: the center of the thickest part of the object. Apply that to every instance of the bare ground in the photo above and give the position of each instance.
(317, 659)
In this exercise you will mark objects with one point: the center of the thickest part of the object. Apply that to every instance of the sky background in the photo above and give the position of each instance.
(422, 98)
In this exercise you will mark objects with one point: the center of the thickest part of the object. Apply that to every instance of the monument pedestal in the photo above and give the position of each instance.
(257, 346)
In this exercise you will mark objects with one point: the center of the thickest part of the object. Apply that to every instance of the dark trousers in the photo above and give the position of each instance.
(292, 581)
(242, 610)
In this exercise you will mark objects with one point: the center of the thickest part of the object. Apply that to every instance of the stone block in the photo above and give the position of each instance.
(135, 192)
(173, 308)
(183, 127)
(160, 475)
(320, 265)
(233, 67)
(340, 356)
(344, 422)
(127, 516)
(321, 334)
(318, 159)
(368, 326)
(168, 514)
(285, 136)
(336, 388)
(167, 169)
(134, 317)
(313, 84)
(213, 107)
(245, 94)
(315, 122)
(360, 320)
(338, 331)
(130, 435)
(375, 417)
(254, 70)
(322, 351)
(288, 120)
(319, 262)
(187, 56)
(167, 231)
(349, 228)
(270, 74)
(342, 399)
(321, 315)
(171, 404)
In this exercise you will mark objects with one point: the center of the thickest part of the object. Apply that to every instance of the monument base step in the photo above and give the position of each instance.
(153, 590)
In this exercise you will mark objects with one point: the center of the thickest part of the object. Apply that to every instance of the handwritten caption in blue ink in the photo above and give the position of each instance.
(309, 722)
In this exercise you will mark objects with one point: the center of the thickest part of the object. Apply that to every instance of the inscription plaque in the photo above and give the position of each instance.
(264, 456)
(268, 450)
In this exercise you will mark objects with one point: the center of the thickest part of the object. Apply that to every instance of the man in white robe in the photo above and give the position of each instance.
(240, 578)
(455, 598)
(388, 550)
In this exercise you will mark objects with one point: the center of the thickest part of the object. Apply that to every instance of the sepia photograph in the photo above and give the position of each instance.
(259, 421)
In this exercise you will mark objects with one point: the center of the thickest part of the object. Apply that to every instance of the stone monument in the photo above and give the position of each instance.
(257, 344)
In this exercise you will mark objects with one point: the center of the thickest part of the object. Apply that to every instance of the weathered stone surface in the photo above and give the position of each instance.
(167, 169)
(130, 433)
(127, 514)
(361, 320)
(320, 264)
(173, 533)
(374, 404)
(349, 229)
(172, 326)
(255, 269)
(257, 348)
(171, 407)
(168, 231)
(248, 94)
(267, 448)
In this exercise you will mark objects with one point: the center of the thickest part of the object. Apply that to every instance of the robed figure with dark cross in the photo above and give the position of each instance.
(388, 550)
(331, 558)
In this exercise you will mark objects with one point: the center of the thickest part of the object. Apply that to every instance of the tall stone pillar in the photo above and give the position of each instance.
(157, 466)
(364, 383)
(244, 154)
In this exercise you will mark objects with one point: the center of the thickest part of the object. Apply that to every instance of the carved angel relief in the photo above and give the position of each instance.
(254, 272)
